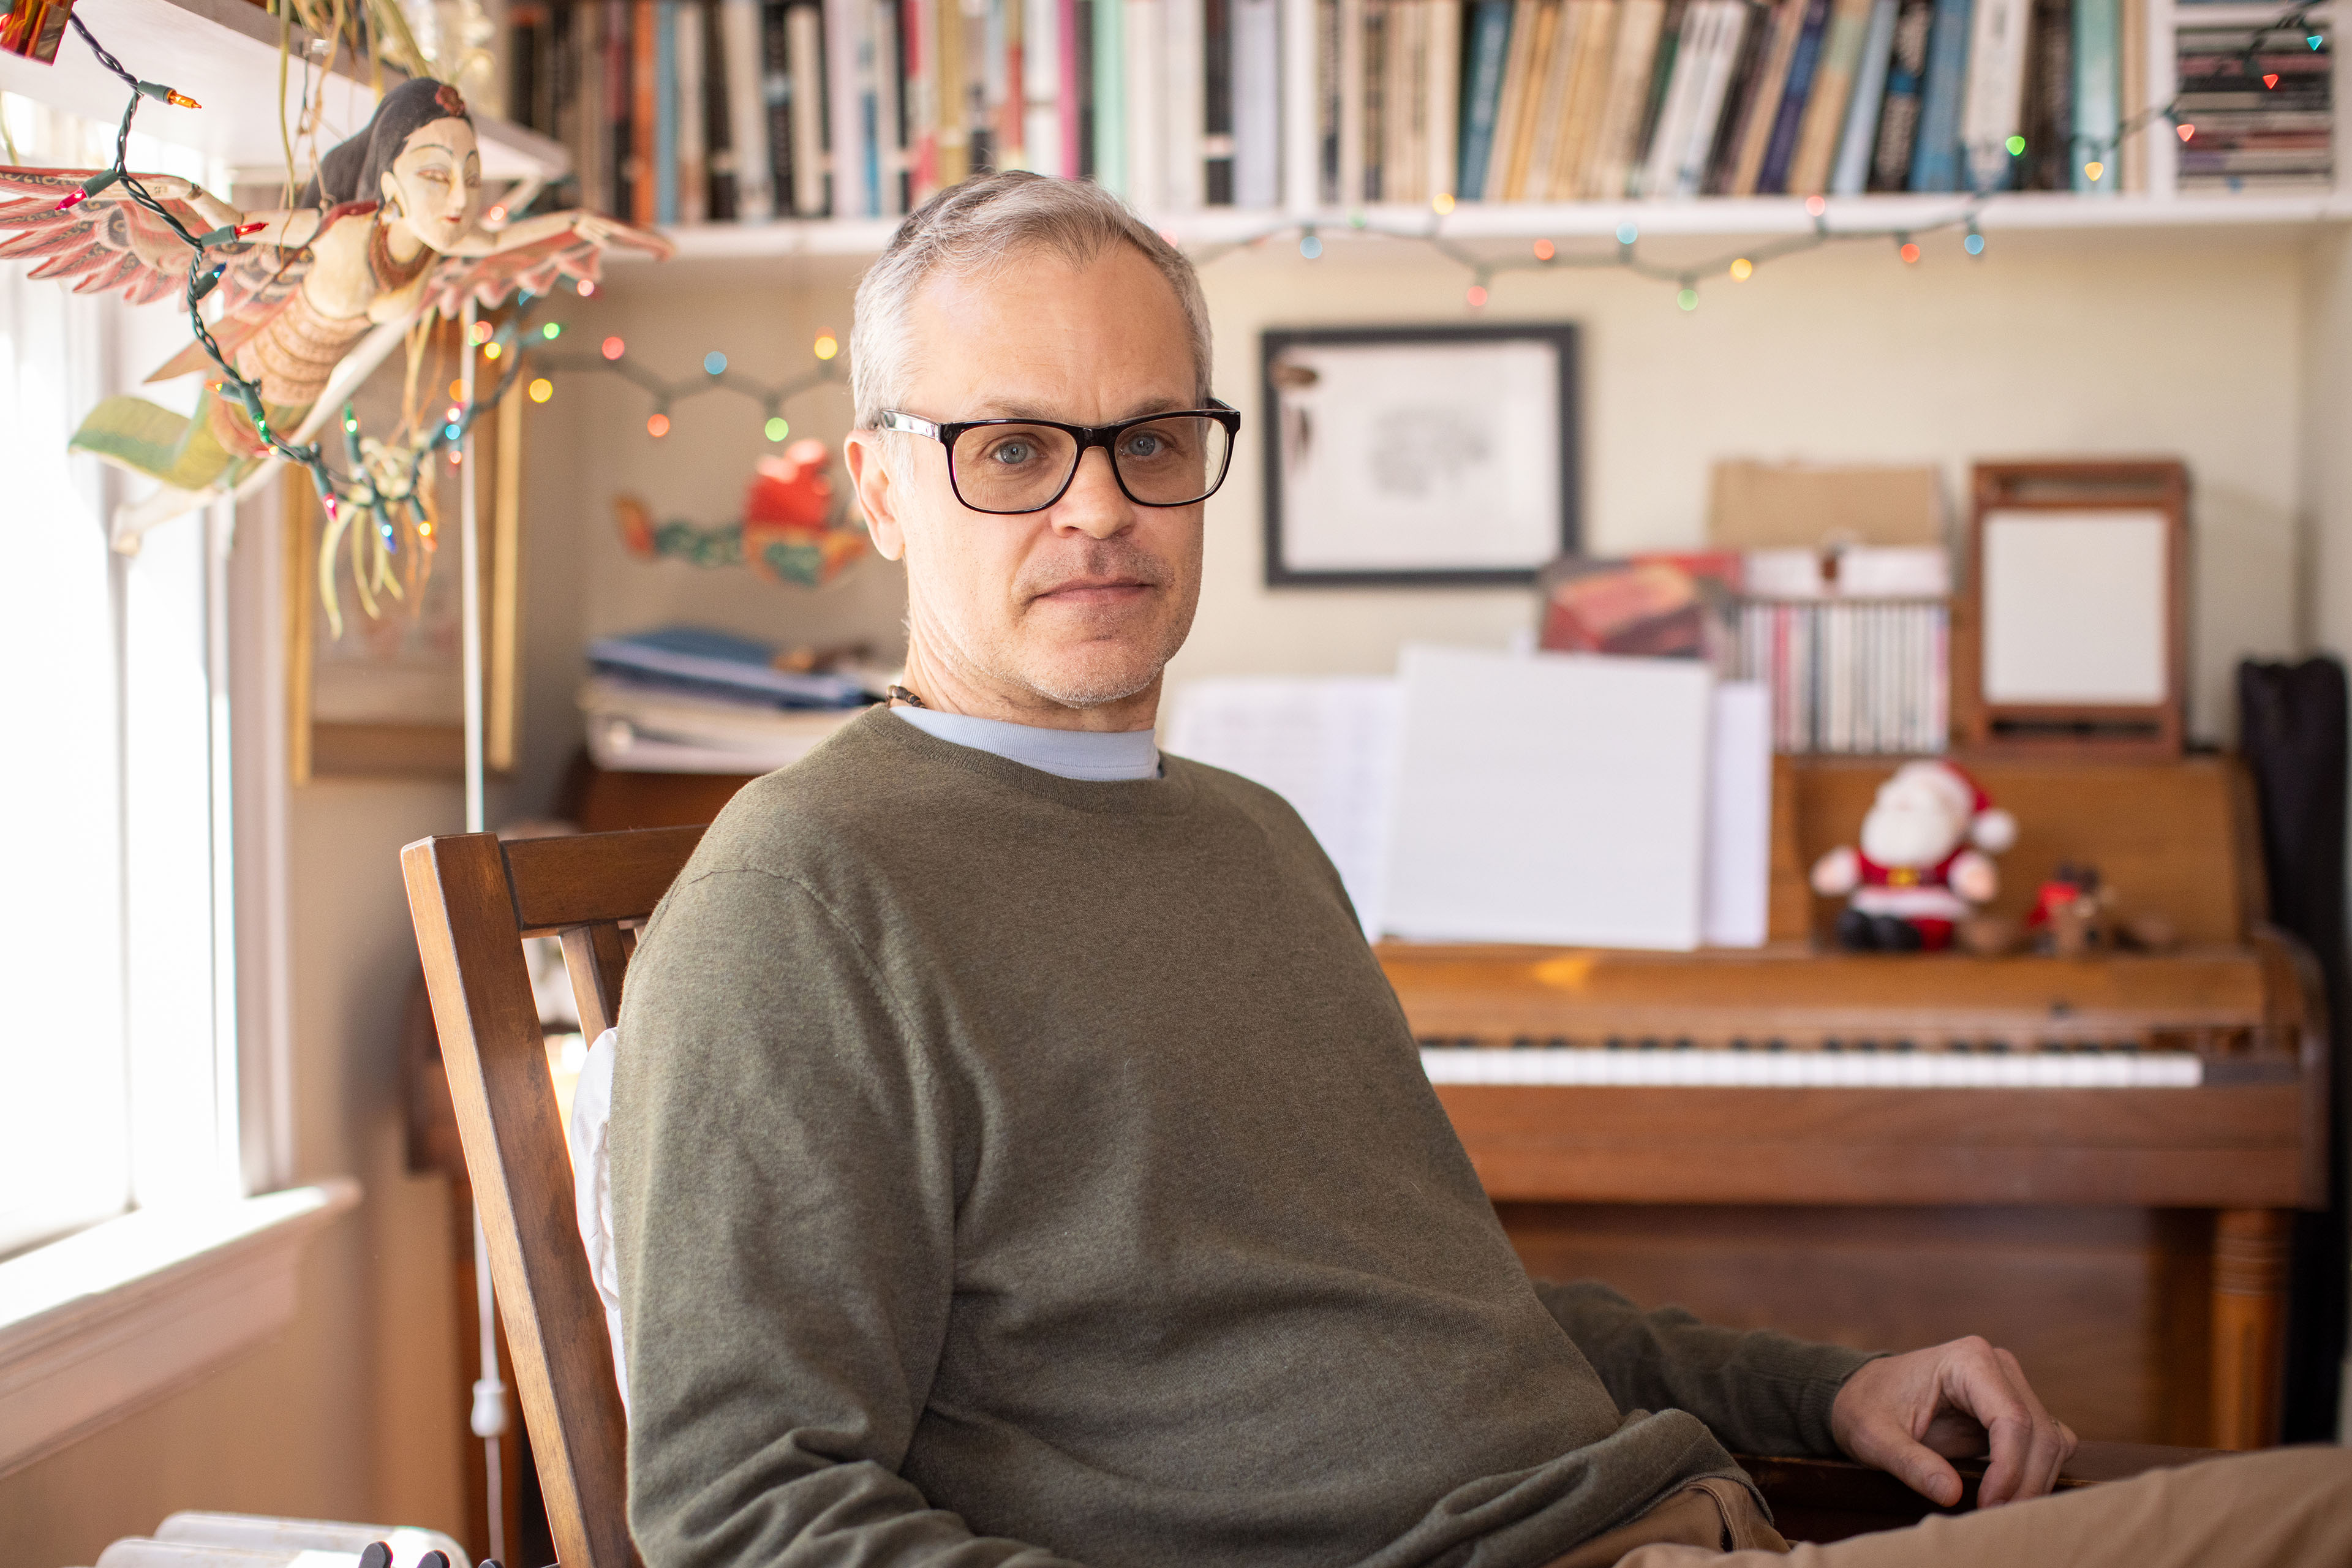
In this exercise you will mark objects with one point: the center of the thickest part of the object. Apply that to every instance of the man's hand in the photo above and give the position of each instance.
(1906, 1415)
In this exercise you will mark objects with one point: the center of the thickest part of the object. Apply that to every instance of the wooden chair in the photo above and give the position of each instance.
(473, 899)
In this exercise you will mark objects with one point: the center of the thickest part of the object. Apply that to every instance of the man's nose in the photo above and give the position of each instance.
(1093, 505)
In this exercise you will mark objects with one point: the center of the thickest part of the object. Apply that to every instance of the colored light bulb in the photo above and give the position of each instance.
(715, 363)
(1627, 233)
(827, 345)
(1309, 246)
(552, 331)
(1816, 206)
(541, 390)
(614, 347)
(1442, 203)
(1742, 269)
(1545, 250)
(1477, 296)
(776, 428)
(658, 425)
(1910, 252)
(2016, 145)
(1687, 298)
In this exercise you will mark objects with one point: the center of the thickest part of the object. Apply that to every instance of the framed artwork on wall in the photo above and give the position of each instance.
(2071, 635)
(386, 696)
(1433, 456)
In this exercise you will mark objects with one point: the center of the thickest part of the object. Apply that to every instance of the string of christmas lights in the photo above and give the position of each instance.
(1739, 265)
(717, 376)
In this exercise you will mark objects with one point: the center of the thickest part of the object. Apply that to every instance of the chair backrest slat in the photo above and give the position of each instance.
(596, 958)
(473, 901)
(579, 879)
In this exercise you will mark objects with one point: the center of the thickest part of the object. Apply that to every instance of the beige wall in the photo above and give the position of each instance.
(2229, 349)
(353, 1412)
(2171, 342)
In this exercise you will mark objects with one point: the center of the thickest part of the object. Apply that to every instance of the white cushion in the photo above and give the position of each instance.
(591, 1188)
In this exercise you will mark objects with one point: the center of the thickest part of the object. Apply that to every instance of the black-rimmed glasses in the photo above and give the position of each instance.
(1011, 466)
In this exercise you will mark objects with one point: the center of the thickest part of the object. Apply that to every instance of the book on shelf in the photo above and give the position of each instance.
(718, 666)
(685, 111)
(635, 728)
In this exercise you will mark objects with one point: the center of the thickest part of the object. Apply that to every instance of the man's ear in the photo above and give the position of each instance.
(877, 497)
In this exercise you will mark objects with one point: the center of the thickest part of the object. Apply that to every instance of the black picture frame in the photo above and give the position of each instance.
(1273, 343)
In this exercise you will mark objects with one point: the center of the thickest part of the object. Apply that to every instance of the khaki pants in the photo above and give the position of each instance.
(2287, 1508)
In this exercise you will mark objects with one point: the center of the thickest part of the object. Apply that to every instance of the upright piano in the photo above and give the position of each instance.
(2089, 1160)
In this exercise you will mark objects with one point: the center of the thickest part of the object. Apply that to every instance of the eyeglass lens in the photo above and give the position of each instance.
(1019, 468)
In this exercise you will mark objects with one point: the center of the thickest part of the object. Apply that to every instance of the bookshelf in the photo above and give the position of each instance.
(618, 81)
(224, 53)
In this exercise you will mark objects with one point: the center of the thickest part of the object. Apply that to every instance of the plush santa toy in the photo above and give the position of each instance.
(1924, 862)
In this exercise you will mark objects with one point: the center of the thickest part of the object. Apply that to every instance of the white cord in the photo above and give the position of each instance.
(490, 1413)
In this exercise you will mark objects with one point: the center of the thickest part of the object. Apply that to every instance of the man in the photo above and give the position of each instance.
(1019, 1154)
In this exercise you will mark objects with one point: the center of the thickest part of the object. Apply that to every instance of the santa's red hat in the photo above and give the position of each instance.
(1991, 828)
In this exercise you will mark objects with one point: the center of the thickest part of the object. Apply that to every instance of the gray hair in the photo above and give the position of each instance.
(978, 226)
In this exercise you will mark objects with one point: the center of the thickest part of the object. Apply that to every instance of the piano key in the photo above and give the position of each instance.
(1842, 1069)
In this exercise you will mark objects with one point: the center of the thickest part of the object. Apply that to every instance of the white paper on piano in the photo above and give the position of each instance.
(1328, 746)
(1550, 798)
(1740, 817)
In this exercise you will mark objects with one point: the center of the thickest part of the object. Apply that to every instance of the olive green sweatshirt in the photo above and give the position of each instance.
(1007, 1167)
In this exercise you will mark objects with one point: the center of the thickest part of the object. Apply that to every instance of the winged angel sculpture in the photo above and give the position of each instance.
(385, 233)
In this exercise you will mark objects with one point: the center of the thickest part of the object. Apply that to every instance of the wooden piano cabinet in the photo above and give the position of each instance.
(2249, 1272)
(2129, 1245)
(2109, 1311)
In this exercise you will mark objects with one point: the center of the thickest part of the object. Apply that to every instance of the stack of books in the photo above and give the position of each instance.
(2271, 130)
(694, 110)
(685, 700)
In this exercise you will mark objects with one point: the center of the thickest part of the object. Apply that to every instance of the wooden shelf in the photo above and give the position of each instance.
(224, 53)
(1476, 222)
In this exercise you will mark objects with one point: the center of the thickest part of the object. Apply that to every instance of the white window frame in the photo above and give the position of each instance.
(201, 1264)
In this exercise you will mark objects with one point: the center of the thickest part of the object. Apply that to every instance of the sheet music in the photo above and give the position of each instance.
(1327, 745)
(1738, 817)
(1551, 798)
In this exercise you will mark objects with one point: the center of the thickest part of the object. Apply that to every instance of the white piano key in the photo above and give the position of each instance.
(1822, 1069)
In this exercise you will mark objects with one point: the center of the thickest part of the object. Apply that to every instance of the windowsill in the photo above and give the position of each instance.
(110, 1317)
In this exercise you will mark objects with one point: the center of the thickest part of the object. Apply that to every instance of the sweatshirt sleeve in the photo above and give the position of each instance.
(1759, 1392)
(784, 1190)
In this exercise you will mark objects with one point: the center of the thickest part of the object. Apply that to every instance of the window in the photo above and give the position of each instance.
(116, 935)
